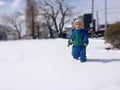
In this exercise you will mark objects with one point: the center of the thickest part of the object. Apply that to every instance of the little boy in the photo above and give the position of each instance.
(79, 39)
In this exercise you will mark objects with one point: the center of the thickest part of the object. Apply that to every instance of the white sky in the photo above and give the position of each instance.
(2, 3)
(82, 6)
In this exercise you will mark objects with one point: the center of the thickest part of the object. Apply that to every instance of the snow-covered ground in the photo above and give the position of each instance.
(48, 65)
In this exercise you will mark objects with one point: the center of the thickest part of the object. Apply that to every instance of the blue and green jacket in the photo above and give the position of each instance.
(79, 37)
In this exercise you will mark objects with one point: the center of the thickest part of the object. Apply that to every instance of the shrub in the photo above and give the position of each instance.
(112, 35)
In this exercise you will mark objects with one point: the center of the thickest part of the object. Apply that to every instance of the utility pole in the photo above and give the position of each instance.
(97, 16)
(92, 23)
(105, 14)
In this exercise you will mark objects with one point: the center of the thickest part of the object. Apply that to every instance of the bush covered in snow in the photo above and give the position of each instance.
(112, 35)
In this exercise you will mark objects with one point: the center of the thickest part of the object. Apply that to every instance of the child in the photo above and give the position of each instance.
(79, 40)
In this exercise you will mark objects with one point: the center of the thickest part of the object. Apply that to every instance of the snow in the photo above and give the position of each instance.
(48, 65)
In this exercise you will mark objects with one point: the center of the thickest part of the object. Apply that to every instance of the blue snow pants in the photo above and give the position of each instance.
(79, 52)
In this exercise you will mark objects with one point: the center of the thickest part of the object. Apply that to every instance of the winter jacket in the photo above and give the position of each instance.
(79, 37)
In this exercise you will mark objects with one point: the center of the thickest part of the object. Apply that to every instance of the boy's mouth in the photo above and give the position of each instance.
(78, 27)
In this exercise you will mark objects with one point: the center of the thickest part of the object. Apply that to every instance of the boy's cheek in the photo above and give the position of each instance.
(78, 28)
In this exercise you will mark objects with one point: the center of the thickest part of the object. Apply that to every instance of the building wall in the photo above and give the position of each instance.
(3, 36)
(7, 33)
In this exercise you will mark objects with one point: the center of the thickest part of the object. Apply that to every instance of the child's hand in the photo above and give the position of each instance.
(68, 45)
(71, 41)
(85, 44)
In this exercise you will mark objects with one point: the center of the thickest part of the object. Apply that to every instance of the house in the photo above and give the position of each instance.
(68, 30)
(7, 33)
(45, 33)
(3, 36)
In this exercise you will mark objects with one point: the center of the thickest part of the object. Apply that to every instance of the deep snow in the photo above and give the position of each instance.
(48, 65)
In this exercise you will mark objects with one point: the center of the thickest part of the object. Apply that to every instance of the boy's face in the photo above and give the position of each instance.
(78, 26)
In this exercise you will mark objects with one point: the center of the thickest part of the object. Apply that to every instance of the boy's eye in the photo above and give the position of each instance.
(77, 24)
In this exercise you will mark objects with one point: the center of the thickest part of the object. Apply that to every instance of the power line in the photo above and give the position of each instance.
(111, 8)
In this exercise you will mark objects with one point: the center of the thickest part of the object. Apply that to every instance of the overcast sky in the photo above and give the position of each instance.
(82, 6)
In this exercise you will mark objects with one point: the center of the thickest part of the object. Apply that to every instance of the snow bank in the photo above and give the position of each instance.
(48, 65)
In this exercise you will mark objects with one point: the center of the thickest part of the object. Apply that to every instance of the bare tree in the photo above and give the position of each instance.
(37, 26)
(65, 12)
(31, 15)
(58, 11)
(49, 23)
(13, 21)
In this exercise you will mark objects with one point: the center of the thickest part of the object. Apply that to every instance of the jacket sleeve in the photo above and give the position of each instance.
(70, 38)
(85, 39)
